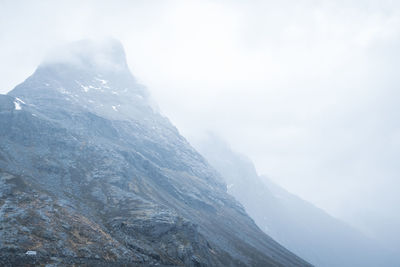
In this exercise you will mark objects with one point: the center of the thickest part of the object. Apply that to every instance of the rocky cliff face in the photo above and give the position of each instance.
(92, 174)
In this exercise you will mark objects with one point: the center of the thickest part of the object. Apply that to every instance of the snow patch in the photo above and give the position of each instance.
(17, 105)
(85, 88)
(95, 88)
(19, 100)
(63, 91)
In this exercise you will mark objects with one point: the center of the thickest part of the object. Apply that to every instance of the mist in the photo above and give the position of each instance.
(308, 91)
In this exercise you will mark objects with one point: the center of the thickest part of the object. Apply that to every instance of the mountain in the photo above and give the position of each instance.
(296, 224)
(92, 174)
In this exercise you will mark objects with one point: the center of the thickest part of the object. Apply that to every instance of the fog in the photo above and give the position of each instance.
(308, 91)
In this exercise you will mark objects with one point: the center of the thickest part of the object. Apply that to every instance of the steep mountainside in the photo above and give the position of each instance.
(298, 225)
(91, 174)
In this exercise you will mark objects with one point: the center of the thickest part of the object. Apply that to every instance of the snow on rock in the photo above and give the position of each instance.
(19, 100)
(17, 105)
(85, 88)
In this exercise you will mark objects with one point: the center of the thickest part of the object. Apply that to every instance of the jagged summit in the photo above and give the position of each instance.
(87, 74)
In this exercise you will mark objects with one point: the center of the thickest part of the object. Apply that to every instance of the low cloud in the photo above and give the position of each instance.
(308, 90)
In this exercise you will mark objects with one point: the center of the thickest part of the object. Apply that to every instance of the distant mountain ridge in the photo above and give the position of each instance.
(91, 174)
(296, 224)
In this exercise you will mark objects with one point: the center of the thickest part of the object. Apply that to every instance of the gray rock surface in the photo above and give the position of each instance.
(91, 174)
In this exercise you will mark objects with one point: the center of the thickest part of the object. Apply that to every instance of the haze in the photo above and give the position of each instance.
(308, 90)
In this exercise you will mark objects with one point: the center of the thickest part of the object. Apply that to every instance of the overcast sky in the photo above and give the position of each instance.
(309, 90)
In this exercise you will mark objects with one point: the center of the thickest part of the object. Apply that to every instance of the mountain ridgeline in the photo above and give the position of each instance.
(91, 174)
(298, 225)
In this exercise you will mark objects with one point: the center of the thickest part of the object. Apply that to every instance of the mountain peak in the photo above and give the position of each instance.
(91, 174)
(88, 74)
(100, 54)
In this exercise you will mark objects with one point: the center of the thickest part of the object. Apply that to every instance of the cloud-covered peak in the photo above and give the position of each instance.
(87, 75)
(105, 54)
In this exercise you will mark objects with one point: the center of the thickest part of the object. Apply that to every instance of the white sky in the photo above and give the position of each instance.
(307, 89)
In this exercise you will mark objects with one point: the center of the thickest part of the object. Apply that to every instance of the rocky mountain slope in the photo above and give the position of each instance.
(92, 174)
(298, 225)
